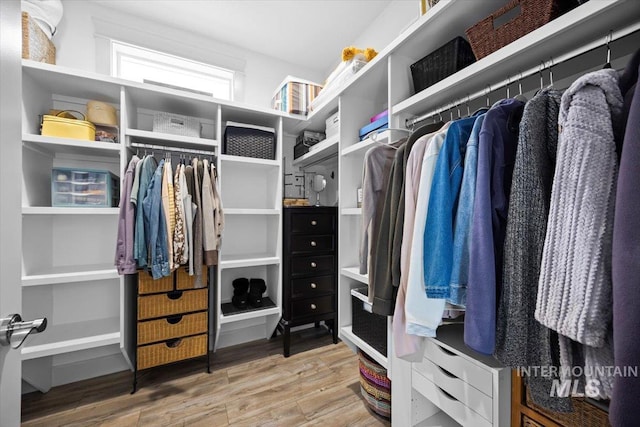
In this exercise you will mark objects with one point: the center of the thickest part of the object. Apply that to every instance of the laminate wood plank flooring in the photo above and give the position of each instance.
(250, 385)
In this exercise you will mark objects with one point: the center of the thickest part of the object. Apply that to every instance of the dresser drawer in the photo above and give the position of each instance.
(171, 351)
(312, 286)
(305, 243)
(463, 392)
(311, 265)
(459, 366)
(175, 326)
(312, 306)
(177, 302)
(312, 223)
(146, 284)
(184, 281)
(448, 403)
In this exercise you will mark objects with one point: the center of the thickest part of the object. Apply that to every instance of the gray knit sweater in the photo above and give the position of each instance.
(574, 294)
(521, 340)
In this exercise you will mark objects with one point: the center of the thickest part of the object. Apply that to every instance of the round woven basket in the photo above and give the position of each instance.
(375, 387)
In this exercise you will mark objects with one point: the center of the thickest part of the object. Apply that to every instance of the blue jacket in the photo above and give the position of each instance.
(149, 165)
(462, 223)
(438, 232)
(155, 225)
(496, 157)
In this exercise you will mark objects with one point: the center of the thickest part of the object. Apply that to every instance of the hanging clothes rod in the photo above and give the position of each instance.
(611, 36)
(172, 149)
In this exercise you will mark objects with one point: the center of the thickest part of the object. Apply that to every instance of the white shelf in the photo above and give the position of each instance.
(249, 161)
(65, 338)
(351, 211)
(347, 334)
(589, 22)
(361, 146)
(249, 315)
(248, 260)
(441, 419)
(53, 145)
(47, 210)
(240, 211)
(319, 152)
(353, 273)
(70, 274)
(180, 141)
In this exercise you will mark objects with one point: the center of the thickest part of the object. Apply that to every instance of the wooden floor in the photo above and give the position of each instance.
(250, 385)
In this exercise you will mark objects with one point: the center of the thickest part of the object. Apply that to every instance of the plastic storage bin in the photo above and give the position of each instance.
(176, 124)
(370, 327)
(294, 95)
(84, 188)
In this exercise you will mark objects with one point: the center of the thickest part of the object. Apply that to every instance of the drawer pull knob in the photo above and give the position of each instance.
(313, 243)
(313, 307)
(313, 264)
(314, 222)
(313, 286)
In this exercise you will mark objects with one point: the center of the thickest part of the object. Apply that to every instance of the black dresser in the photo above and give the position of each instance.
(310, 266)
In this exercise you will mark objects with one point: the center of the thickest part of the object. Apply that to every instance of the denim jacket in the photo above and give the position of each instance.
(155, 225)
(438, 232)
(148, 167)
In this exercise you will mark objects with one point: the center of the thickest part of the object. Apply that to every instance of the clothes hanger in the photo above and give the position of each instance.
(520, 96)
(607, 42)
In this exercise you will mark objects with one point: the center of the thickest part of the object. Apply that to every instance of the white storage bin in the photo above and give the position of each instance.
(332, 124)
(176, 124)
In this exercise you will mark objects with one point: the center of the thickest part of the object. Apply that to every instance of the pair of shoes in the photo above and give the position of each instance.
(248, 292)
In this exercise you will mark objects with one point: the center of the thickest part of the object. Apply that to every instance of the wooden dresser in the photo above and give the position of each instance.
(172, 320)
(310, 264)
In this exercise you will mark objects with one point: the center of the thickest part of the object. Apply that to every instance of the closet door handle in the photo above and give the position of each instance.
(313, 285)
(313, 243)
(313, 307)
(313, 264)
(314, 222)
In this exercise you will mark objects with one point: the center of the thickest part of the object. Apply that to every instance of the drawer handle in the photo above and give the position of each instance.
(314, 222)
(173, 343)
(313, 243)
(447, 395)
(313, 264)
(447, 352)
(313, 307)
(174, 295)
(447, 373)
(313, 286)
(172, 320)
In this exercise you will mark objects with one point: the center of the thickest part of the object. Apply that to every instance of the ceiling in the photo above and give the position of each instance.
(310, 33)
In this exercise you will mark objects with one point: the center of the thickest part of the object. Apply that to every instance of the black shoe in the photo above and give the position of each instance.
(256, 288)
(240, 292)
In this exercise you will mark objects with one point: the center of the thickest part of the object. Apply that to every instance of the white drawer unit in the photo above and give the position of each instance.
(472, 389)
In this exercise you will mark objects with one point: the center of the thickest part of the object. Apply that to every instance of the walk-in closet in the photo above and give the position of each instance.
(298, 213)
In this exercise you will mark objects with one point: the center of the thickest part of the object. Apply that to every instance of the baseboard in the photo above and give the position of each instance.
(241, 336)
(86, 369)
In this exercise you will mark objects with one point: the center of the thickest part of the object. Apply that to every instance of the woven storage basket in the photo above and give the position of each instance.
(370, 327)
(151, 306)
(171, 351)
(375, 387)
(172, 327)
(176, 124)
(146, 284)
(249, 141)
(35, 43)
(441, 63)
(490, 34)
(584, 414)
(184, 281)
(528, 422)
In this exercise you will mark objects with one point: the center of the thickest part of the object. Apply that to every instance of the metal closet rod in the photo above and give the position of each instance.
(172, 149)
(611, 36)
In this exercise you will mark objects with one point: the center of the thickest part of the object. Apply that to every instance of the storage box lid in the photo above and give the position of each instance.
(248, 126)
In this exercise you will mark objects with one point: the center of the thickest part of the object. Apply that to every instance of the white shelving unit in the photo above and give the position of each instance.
(351, 211)
(354, 273)
(54, 145)
(323, 150)
(70, 274)
(45, 210)
(179, 141)
(348, 334)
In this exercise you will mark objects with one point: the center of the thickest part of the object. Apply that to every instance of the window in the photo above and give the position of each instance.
(149, 66)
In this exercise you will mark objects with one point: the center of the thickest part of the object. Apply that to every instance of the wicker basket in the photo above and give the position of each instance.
(249, 141)
(528, 422)
(147, 285)
(176, 124)
(151, 306)
(375, 387)
(172, 327)
(35, 43)
(184, 281)
(370, 327)
(584, 414)
(441, 63)
(490, 34)
(171, 351)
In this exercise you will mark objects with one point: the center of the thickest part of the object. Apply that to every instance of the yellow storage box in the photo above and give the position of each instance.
(68, 128)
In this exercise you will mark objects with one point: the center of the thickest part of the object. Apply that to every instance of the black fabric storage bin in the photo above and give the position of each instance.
(249, 142)
(370, 327)
(441, 63)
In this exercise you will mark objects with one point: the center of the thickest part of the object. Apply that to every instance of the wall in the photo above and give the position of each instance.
(81, 43)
